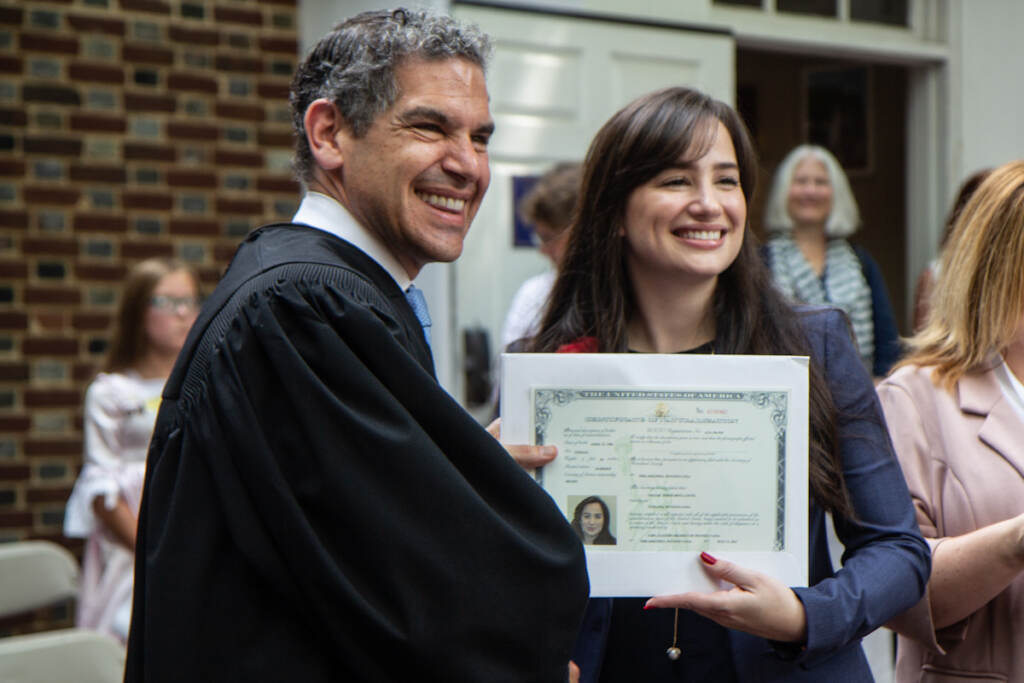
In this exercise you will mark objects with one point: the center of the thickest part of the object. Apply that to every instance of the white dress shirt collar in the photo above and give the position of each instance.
(319, 211)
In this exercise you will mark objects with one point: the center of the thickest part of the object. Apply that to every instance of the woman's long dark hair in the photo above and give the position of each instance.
(593, 297)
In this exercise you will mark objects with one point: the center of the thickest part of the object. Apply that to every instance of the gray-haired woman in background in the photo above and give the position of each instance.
(809, 214)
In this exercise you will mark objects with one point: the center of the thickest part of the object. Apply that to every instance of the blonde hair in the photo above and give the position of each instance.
(978, 302)
(842, 221)
(129, 343)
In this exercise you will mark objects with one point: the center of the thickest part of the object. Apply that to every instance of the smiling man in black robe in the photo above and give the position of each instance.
(317, 507)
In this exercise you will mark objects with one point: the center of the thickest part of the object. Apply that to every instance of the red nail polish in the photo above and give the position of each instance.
(708, 559)
(648, 607)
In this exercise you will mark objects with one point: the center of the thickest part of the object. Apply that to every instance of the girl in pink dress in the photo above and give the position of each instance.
(158, 306)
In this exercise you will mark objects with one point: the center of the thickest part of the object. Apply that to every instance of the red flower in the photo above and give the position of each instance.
(581, 345)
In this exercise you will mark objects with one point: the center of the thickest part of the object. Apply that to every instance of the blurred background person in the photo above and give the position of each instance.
(548, 206)
(955, 409)
(158, 305)
(809, 213)
(926, 279)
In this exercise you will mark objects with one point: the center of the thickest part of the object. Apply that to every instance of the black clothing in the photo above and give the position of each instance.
(318, 508)
(638, 641)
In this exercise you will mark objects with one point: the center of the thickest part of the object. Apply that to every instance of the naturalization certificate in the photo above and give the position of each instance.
(664, 456)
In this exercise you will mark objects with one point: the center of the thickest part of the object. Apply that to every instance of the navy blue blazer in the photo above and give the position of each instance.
(886, 562)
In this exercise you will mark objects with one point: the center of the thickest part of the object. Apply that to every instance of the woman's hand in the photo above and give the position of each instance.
(757, 604)
(528, 457)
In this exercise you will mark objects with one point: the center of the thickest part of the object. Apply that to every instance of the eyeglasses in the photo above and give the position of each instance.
(173, 304)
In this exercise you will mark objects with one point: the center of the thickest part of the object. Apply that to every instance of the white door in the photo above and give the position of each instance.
(553, 81)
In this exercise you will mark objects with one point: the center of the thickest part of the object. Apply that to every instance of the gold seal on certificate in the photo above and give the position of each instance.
(664, 456)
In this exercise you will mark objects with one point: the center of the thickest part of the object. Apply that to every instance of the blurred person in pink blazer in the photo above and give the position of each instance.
(955, 408)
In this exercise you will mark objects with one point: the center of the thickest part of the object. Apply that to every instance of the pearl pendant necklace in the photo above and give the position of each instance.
(674, 652)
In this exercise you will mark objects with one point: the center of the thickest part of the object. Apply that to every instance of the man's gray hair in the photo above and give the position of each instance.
(353, 66)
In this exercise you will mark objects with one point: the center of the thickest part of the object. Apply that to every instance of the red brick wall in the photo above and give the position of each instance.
(128, 128)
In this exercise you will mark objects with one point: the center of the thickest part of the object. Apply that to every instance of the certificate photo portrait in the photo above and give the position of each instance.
(593, 519)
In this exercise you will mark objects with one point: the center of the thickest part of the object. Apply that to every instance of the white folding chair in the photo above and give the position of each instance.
(35, 574)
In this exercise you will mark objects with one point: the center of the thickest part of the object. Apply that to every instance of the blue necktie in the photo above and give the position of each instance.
(418, 302)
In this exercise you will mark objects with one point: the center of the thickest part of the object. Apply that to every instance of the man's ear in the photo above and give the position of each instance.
(323, 122)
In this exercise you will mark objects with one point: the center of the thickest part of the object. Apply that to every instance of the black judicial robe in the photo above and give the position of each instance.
(318, 508)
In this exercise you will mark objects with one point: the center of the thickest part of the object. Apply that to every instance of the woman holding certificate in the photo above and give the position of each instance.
(956, 410)
(661, 260)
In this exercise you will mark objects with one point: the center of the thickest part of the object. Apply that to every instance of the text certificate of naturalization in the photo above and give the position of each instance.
(661, 457)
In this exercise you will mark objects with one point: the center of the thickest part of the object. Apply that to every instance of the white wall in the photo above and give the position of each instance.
(963, 116)
(986, 67)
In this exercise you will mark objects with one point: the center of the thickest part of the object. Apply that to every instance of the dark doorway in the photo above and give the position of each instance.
(857, 107)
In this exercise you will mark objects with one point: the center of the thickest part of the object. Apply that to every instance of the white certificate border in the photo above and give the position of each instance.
(627, 573)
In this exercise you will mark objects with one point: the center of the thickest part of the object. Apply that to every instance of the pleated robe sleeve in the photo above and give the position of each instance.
(318, 508)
